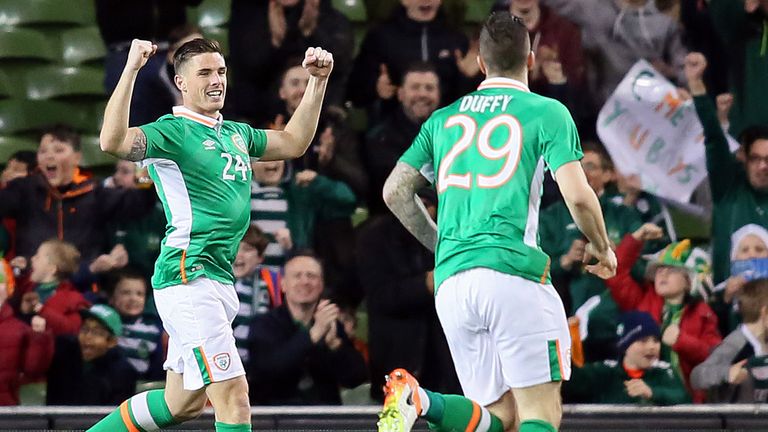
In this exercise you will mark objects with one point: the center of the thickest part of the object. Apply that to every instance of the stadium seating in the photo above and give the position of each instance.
(57, 82)
(11, 144)
(213, 13)
(353, 9)
(25, 118)
(26, 45)
(46, 12)
(477, 10)
(219, 34)
(92, 154)
(82, 45)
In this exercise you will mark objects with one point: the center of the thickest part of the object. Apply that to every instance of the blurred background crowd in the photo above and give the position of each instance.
(334, 293)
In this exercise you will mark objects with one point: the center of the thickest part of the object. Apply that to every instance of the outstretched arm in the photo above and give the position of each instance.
(293, 141)
(116, 137)
(400, 196)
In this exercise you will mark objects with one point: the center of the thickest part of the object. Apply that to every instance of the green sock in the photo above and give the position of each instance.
(146, 412)
(226, 427)
(536, 426)
(448, 413)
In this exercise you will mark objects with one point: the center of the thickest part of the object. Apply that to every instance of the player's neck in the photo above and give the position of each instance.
(197, 110)
(523, 78)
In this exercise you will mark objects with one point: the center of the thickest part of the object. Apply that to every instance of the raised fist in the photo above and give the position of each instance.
(139, 54)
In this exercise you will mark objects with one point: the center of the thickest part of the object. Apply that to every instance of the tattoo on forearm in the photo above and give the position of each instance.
(399, 191)
(138, 148)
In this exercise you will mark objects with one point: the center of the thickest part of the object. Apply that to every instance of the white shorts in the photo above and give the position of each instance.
(198, 318)
(503, 331)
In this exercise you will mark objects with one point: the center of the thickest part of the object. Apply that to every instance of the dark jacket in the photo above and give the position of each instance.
(121, 21)
(384, 145)
(399, 42)
(108, 380)
(258, 66)
(24, 354)
(286, 368)
(403, 328)
(77, 213)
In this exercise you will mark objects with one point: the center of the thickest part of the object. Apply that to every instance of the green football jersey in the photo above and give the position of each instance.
(202, 173)
(486, 154)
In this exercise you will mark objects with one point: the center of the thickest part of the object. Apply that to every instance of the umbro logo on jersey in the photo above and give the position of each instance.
(209, 144)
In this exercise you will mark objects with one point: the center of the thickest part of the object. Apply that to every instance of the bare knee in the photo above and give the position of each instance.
(540, 402)
(189, 409)
(230, 400)
(504, 409)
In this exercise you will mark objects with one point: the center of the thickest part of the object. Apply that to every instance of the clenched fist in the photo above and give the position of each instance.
(139, 54)
(318, 62)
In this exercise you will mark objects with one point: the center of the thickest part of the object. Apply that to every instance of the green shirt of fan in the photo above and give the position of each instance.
(202, 173)
(487, 154)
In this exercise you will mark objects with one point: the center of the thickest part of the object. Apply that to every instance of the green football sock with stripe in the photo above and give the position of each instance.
(226, 427)
(145, 412)
(536, 426)
(449, 413)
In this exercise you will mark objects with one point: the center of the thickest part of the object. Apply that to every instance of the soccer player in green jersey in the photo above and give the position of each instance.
(200, 165)
(487, 154)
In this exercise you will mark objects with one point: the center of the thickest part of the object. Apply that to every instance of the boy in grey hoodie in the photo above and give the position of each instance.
(620, 32)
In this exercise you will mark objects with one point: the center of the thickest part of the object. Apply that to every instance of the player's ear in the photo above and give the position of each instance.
(481, 63)
(180, 84)
(531, 60)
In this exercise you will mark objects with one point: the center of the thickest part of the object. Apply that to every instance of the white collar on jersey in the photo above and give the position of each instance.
(501, 82)
(182, 111)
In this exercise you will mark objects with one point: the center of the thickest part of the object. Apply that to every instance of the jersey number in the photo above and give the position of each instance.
(240, 167)
(510, 151)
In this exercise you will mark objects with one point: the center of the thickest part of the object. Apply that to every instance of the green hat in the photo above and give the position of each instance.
(106, 316)
(695, 260)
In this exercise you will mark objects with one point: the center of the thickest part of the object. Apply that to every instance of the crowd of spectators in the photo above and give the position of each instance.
(682, 321)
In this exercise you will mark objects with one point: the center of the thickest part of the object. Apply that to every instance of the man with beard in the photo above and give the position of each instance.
(419, 96)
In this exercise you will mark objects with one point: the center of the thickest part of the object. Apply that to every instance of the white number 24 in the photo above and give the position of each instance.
(510, 150)
(240, 166)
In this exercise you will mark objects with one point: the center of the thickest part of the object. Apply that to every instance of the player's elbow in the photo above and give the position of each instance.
(390, 193)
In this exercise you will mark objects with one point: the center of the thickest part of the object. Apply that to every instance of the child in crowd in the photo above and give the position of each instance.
(258, 287)
(637, 377)
(143, 340)
(688, 325)
(737, 370)
(25, 352)
(91, 369)
(46, 291)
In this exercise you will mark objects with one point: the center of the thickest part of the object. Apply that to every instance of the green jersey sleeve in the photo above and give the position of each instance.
(560, 140)
(420, 154)
(257, 141)
(164, 138)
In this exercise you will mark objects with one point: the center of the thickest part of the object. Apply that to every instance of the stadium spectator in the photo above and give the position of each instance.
(120, 22)
(90, 369)
(25, 352)
(286, 206)
(21, 164)
(688, 325)
(264, 33)
(700, 35)
(559, 68)
(396, 272)
(46, 290)
(637, 377)
(741, 26)
(416, 31)
(258, 287)
(618, 34)
(418, 97)
(348, 319)
(299, 352)
(154, 93)
(584, 294)
(738, 183)
(60, 201)
(142, 340)
(141, 236)
(732, 373)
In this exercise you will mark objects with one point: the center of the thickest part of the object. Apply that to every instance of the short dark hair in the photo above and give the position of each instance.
(504, 43)
(599, 149)
(64, 133)
(752, 298)
(194, 48)
(255, 237)
(27, 157)
(751, 134)
(306, 253)
(419, 67)
(180, 32)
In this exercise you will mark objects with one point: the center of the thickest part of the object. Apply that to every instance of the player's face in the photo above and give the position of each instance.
(642, 353)
(594, 168)
(247, 260)
(125, 174)
(293, 87)
(303, 281)
(95, 339)
(13, 169)
(129, 297)
(419, 95)
(421, 10)
(671, 282)
(58, 160)
(751, 247)
(757, 165)
(268, 173)
(203, 83)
